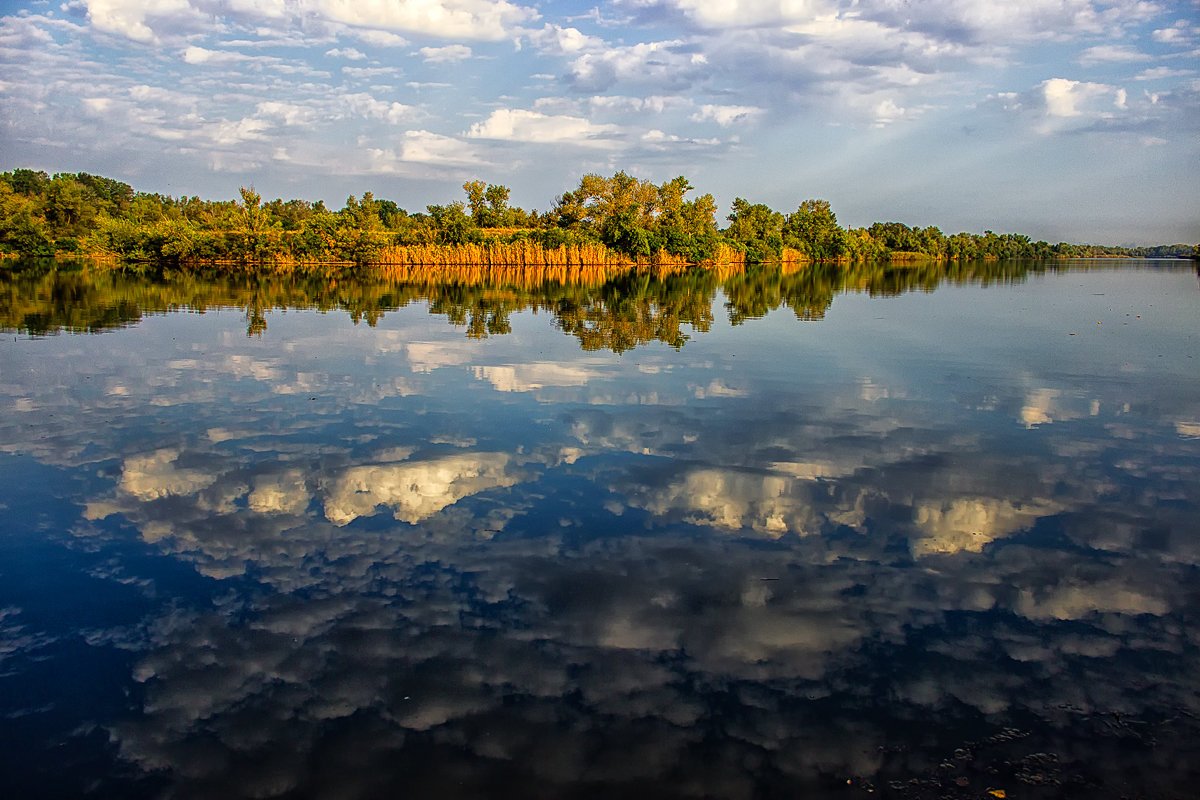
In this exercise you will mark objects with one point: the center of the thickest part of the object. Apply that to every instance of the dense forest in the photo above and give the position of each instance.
(605, 221)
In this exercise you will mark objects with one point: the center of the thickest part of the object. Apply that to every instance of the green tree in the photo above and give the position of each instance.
(70, 207)
(451, 224)
(686, 227)
(757, 229)
(813, 230)
(255, 233)
(488, 203)
(27, 182)
(22, 228)
(114, 196)
(360, 233)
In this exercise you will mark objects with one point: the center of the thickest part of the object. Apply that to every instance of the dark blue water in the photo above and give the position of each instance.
(932, 540)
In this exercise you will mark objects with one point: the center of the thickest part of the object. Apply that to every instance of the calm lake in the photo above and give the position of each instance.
(839, 532)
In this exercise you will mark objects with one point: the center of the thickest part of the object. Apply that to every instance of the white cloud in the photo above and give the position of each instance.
(728, 499)
(422, 148)
(1067, 98)
(365, 105)
(1162, 73)
(726, 115)
(1106, 53)
(1076, 599)
(20, 32)
(1060, 105)
(159, 475)
(428, 356)
(229, 132)
(671, 65)
(287, 113)
(284, 493)
(1188, 429)
(445, 55)
(558, 41)
(97, 105)
(1182, 32)
(156, 94)
(370, 73)
(201, 55)
(656, 104)
(148, 20)
(978, 23)
(969, 523)
(886, 111)
(723, 14)
(348, 53)
(531, 377)
(414, 489)
(519, 125)
(487, 20)
(379, 38)
(717, 388)
(129, 17)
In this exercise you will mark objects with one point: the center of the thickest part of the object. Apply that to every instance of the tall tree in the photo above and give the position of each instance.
(813, 230)
(757, 228)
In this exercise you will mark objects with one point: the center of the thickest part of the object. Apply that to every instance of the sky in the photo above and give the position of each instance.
(1067, 120)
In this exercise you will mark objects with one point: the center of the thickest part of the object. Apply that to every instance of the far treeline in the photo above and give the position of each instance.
(620, 219)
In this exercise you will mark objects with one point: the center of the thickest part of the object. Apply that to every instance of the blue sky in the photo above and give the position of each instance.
(1073, 120)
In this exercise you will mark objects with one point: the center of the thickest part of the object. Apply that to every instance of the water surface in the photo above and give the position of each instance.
(756, 535)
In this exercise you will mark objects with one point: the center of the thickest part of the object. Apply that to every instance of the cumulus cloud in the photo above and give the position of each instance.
(348, 53)
(1162, 73)
(159, 474)
(202, 55)
(1067, 98)
(449, 54)
(282, 493)
(726, 115)
(414, 490)
(423, 148)
(534, 376)
(731, 500)
(374, 19)
(559, 41)
(519, 125)
(362, 104)
(665, 65)
(451, 19)
(134, 19)
(1059, 105)
(1181, 32)
(970, 20)
(378, 38)
(1104, 53)
(967, 524)
(428, 356)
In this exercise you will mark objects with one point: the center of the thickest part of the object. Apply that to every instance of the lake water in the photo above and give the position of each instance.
(881, 532)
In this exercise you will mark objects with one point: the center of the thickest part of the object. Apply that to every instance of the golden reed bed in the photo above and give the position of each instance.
(530, 263)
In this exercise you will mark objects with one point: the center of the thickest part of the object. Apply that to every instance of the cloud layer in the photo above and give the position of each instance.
(304, 96)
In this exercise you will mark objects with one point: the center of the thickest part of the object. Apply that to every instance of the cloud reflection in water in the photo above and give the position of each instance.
(500, 581)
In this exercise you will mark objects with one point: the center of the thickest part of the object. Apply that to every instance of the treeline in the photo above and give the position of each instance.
(618, 219)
